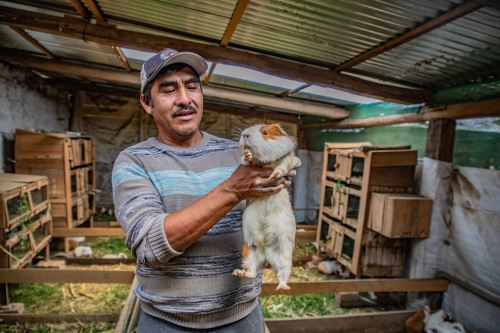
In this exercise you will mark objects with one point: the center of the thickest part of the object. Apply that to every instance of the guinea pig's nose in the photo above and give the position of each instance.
(246, 135)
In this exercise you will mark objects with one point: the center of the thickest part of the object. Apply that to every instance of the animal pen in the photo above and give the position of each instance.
(395, 106)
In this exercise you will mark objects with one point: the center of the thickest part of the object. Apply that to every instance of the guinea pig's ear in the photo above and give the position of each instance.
(282, 131)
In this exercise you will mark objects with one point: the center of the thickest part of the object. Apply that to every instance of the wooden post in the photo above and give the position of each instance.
(440, 139)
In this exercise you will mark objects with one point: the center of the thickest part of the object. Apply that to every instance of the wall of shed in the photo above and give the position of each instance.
(27, 102)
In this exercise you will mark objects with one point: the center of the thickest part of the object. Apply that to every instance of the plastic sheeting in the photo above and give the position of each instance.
(307, 186)
(464, 239)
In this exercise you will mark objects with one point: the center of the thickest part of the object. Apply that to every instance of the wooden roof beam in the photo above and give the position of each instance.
(96, 11)
(238, 11)
(32, 41)
(132, 79)
(457, 12)
(269, 64)
(71, 84)
(80, 9)
(483, 109)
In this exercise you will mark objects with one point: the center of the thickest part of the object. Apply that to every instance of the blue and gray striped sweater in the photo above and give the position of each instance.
(195, 288)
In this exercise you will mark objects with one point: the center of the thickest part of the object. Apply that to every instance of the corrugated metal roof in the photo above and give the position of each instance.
(204, 18)
(328, 32)
(72, 48)
(462, 47)
(13, 40)
(320, 32)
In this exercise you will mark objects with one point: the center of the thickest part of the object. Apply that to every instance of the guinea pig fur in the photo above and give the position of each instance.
(268, 222)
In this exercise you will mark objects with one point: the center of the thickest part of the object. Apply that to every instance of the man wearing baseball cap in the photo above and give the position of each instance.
(179, 198)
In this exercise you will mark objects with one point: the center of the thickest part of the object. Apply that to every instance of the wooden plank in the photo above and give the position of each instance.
(307, 73)
(30, 275)
(482, 109)
(88, 232)
(100, 261)
(121, 325)
(305, 236)
(378, 322)
(132, 78)
(56, 318)
(239, 9)
(440, 139)
(32, 41)
(455, 13)
(358, 285)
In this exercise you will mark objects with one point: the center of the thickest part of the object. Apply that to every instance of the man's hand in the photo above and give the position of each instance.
(250, 182)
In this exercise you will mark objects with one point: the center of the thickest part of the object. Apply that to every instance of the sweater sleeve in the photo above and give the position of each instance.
(139, 210)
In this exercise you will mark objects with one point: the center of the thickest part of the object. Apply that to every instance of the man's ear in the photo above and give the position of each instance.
(145, 105)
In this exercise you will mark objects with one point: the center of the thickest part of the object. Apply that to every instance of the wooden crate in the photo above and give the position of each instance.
(25, 220)
(400, 215)
(350, 174)
(21, 197)
(68, 160)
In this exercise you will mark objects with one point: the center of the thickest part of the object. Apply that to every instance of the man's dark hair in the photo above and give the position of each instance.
(167, 70)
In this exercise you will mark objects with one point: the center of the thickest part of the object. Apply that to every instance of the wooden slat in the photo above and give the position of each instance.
(307, 73)
(32, 41)
(234, 21)
(56, 318)
(358, 285)
(378, 322)
(209, 73)
(30, 275)
(482, 109)
(122, 58)
(132, 78)
(88, 232)
(457, 12)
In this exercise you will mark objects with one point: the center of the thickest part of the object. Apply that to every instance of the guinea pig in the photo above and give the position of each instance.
(268, 222)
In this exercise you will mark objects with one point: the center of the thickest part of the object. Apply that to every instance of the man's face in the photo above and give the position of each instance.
(176, 105)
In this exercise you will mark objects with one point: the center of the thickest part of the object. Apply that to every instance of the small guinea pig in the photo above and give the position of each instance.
(268, 222)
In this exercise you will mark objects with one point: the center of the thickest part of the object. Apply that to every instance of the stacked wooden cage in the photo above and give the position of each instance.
(68, 160)
(370, 240)
(25, 220)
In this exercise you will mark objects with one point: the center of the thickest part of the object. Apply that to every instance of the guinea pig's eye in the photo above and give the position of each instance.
(264, 132)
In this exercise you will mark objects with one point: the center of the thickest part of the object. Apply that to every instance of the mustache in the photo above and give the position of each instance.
(178, 110)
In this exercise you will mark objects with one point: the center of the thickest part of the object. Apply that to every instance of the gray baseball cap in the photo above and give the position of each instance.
(152, 66)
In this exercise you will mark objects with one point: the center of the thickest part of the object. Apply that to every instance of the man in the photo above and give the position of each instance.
(179, 199)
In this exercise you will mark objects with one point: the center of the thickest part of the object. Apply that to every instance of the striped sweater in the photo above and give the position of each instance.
(195, 288)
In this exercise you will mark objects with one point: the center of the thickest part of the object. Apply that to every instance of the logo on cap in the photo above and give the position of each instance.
(167, 53)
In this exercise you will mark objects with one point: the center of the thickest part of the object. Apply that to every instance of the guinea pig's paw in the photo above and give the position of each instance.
(282, 285)
(247, 155)
(297, 162)
(276, 174)
(241, 273)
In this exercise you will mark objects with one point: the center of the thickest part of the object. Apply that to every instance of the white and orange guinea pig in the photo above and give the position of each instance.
(268, 222)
